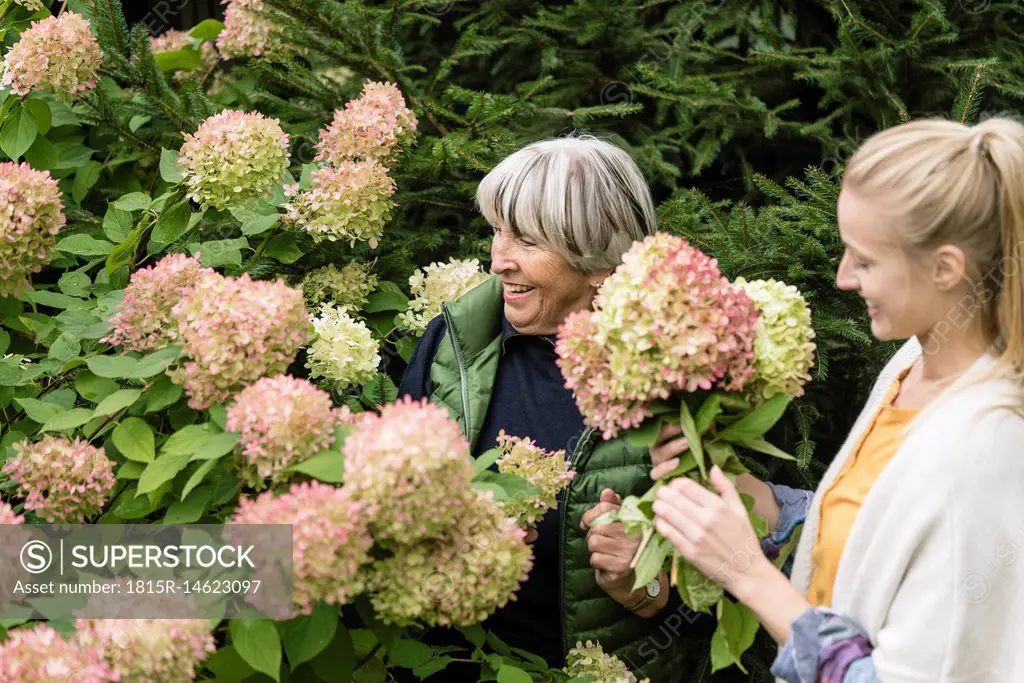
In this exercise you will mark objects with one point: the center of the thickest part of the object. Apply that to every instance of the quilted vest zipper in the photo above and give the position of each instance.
(463, 384)
(581, 447)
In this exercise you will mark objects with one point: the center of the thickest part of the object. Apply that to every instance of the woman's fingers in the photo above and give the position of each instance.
(675, 537)
(697, 493)
(667, 431)
(679, 511)
(664, 468)
(727, 489)
(672, 449)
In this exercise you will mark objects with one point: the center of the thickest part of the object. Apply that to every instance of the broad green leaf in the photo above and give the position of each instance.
(134, 438)
(38, 411)
(216, 446)
(113, 367)
(737, 627)
(66, 420)
(84, 245)
(387, 634)
(487, 458)
(42, 155)
(759, 421)
(186, 440)
(160, 471)
(512, 674)
(191, 509)
(760, 445)
(133, 201)
(327, 466)
(307, 636)
(207, 29)
(257, 642)
(117, 224)
(131, 470)
(163, 393)
(646, 434)
(93, 388)
(228, 665)
(651, 559)
(216, 253)
(169, 170)
(138, 121)
(117, 401)
(693, 436)
(51, 299)
(698, 592)
(388, 297)
(514, 485)
(40, 113)
(156, 362)
(282, 247)
(18, 133)
(74, 283)
(85, 178)
(172, 223)
(709, 410)
(405, 347)
(184, 59)
(5, 341)
(432, 667)
(409, 654)
(197, 477)
(255, 215)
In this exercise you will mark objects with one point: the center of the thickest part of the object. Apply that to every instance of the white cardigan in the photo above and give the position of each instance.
(933, 568)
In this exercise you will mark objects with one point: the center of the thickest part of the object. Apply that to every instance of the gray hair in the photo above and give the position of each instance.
(583, 197)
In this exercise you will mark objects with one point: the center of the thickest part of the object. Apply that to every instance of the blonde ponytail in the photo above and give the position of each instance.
(962, 185)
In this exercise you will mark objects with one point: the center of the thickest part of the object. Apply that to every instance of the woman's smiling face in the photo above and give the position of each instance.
(540, 288)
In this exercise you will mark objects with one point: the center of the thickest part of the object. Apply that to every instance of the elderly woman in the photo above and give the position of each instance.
(563, 212)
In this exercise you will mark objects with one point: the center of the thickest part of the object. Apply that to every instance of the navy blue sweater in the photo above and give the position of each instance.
(529, 400)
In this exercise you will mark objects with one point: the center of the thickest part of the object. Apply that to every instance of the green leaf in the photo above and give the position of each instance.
(513, 485)
(93, 388)
(37, 411)
(646, 434)
(512, 674)
(255, 215)
(651, 560)
(759, 421)
(431, 667)
(185, 59)
(737, 627)
(197, 477)
(160, 471)
(131, 470)
(386, 634)
(85, 178)
(65, 348)
(487, 458)
(114, 367)
(474, 634)
(134, 438)
(187, 440)
(191, 509)
(74, 283)
(163, 393)
(380, 390)
(138, 121)
(698, 592)
(172, 223)
(257, 642)
(51, 299)
(208, 29)
(217, 253)
(327, 466)
(308, 635)
(42, 155)
(405, 347)
(18, 133)
(761, 446)
(216, 446)
(5, 341)
(282, 247)
(228, 665)
(409, 654)
(693, 436)
(116, 401)
(133, 201)
(155, 363)
(66, 420)
(169, 170)
(40, 113)
(84, 245)
(117, 224)
(388, 297)
(709, 410)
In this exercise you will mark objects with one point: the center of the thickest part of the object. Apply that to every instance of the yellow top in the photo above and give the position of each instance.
(843, 499)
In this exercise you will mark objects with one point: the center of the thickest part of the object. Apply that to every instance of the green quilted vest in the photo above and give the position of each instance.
(461, 379)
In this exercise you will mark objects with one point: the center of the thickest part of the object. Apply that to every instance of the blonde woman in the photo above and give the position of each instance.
(909, 567)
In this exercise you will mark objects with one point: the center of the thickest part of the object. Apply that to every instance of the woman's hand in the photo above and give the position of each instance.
(713, 532)
(611, 549)
(667, 448)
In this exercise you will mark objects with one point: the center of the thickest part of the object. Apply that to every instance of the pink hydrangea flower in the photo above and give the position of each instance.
(665, 321)
(458, 580)
(412, 465)
(349, 203)
(8, 515)
(62, 481)
(173, 40)
(330, 540)
(282, 420)
(233, 156)
(31, 215)
(56, 53)
(146, 650)
(144, 320)
(548, 471)
(369, 127)
(246, 33)
(234, 331)
(41, 655)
